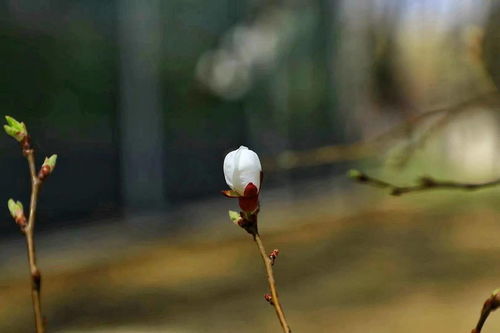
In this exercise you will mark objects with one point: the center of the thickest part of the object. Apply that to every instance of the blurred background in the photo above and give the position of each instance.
(141, 100)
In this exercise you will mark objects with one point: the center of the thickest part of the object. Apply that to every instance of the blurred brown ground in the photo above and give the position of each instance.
(359, 261)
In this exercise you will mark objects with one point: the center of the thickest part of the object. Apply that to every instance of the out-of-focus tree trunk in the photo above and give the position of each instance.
(140, 120)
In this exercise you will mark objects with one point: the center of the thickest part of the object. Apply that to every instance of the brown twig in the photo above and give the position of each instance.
(36, 277)
(18, 131)
(424, 184)
(248, 221)
(490, 305)
(275, 301)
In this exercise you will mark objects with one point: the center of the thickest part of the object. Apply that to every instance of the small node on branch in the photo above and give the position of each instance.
(356, 175)
(273, 255)
(37, 278)
(269, 298)
(427, 182)
(396, 192)
(26, 146)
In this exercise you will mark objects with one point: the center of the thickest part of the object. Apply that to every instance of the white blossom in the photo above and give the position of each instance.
(242, 167)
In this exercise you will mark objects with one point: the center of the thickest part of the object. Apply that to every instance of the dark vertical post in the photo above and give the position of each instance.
(141, 116)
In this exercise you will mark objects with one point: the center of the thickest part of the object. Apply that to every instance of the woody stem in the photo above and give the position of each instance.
(272, 284)
(30, 242)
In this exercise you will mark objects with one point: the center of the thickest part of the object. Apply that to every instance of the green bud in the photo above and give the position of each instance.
(12, 122)
(354, 174)
(15, 129)
(15, 208)
(234, 216)
(50, 162)
(12, 207)
(10, 131)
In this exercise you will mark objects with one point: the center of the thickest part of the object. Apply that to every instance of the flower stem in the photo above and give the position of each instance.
(272, 284)
(30, 243)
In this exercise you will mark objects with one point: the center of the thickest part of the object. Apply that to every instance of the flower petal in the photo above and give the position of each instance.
(241, 167)
(229, 168)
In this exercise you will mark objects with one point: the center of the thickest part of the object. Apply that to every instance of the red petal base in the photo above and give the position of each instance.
(250, 200)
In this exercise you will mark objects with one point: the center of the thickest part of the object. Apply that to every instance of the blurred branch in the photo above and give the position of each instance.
(416, 143)
(359, 150)
(491, 304)
(423, 184)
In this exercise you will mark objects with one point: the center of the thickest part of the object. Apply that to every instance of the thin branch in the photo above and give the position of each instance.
(420, 140)
(18, 131)
(248, 222)
(490, 305)
(363, 149)
(424, 184)
(275, 301)
(36, 278)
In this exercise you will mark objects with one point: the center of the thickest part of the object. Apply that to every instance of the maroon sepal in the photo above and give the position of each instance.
(249, 202)
(230, 194)
(21, 221)
(251, 191)
(45, 170)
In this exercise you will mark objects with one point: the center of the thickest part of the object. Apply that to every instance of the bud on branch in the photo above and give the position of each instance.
(269, 298)
(243, 172)
(48, 166)
(17, 211)
(15, 129)
(273, 255)
(243, 175)
(235, 217)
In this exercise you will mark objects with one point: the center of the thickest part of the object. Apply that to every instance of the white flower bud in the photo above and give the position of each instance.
(242, 167)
